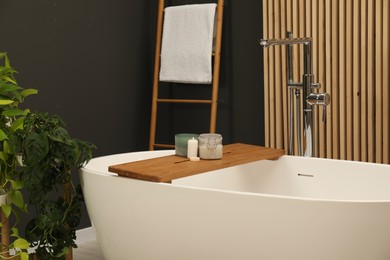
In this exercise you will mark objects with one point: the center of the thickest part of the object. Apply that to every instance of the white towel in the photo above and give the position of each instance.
(187, 44)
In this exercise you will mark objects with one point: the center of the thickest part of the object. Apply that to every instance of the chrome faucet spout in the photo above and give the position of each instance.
(288, 41)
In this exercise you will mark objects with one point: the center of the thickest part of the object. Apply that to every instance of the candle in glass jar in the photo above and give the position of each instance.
(206, 152)
(181, 143)
(192, 148)
(210, 146)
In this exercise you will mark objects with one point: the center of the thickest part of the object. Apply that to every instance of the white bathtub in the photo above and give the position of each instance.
(292, 208)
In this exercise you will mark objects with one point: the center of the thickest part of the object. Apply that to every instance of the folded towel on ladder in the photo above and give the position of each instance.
(187, 44)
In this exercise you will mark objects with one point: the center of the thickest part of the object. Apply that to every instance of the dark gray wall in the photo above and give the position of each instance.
(92, 62)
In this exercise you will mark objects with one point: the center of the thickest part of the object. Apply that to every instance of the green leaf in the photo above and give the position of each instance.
(21, 243)
(9, 87)
(6, 209)
(16, 184)
(15, 232)
(15, 112)
(28, 92)
(6, 148)
(17, 124)
(3, 156)
(5, 88)
(36, 148)
(6, 62)
(59, 134)
(5, 102)
(3, 136)
(17, 96)
(17, 198)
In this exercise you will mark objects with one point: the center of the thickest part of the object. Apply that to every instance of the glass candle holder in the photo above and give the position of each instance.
(210, 146)
(181, 142)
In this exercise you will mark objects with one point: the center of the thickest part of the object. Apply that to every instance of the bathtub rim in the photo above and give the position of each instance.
(172, 152)
(256, 194)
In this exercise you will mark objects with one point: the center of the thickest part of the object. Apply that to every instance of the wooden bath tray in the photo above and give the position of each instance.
(168, 168)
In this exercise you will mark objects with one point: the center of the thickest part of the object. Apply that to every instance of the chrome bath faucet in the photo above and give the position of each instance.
(306, 87)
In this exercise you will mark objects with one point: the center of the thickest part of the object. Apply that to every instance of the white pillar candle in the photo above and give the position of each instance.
(192, 148)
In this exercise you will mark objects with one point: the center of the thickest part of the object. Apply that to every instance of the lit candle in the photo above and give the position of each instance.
(192, 148)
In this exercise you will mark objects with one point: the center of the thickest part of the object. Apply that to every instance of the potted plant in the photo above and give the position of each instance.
(38, 155)
(50, 155)
(11, 121)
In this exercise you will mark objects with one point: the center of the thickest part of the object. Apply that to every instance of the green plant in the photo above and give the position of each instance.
(49, 156)
(11, 121)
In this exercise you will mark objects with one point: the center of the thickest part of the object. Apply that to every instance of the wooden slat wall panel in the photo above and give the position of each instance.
(350, 60)
(283, 24)
(378, 80)
(386, 82)
(363, 80)
(349, 81)
(334, 80)
(327, 87)
(356, 83)
(266, 78)
(342, 80)
(370, 80)
(314, 34)
(321, 73)
(278, 78)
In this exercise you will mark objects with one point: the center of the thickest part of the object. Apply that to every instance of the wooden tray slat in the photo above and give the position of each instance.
(168, 168)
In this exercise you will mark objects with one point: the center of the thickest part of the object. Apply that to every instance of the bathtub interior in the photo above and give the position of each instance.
(309, 178)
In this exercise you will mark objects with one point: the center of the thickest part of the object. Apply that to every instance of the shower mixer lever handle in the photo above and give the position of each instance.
(324, 115)
(319, 99)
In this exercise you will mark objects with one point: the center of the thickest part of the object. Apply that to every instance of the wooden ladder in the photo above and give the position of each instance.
(215, 79)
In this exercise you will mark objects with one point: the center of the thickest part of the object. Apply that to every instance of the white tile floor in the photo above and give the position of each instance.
(88, 251)
(88, 247)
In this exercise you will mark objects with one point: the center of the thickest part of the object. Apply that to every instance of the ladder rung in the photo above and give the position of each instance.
(212, 54)
(164, 145)
(201, 101)
(164, 9)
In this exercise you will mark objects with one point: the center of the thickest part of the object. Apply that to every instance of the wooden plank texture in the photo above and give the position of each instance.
(350, 61)
(168, 168)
